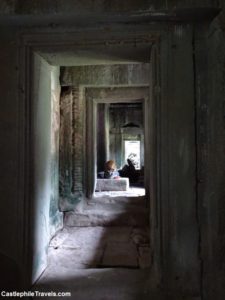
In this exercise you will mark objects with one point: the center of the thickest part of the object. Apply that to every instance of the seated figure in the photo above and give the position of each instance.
(110, 170)
(129, 171)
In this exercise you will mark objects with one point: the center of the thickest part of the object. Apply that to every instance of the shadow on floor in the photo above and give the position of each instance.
(102, 253)
(99, 284)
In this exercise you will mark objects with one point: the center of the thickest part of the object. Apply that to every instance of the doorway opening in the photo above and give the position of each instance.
(107, 232)
(122, 230)
(120, 138)
(104, 121)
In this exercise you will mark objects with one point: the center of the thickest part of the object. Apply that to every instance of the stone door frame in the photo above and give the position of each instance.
(31, 43)
(93, 97)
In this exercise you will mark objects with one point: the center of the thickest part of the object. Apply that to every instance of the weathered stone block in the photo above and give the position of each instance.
(121, 184)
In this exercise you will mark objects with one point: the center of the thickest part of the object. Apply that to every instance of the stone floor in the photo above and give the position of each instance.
(103, 252)
(97, 284)
(93, 247)
(99, 256)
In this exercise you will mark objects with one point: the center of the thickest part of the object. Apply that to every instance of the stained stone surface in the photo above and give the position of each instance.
(144, 256)
(140, 235)
(120, 255)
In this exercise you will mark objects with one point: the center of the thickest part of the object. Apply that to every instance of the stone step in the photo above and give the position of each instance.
(106, 218)
(103, 213)
(140, 201)
(131, 192)
(122, 184)
(117, 205)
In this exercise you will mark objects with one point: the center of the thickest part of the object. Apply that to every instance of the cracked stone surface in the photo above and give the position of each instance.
(89, 247)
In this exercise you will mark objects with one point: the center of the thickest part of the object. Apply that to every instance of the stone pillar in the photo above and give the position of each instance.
(102, 136)
(71, 149)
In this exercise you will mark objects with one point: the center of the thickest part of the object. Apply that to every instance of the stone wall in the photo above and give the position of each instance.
(210, 95)
(102, 133)
(55, 217)
(11, 185)
(43, 216)
(100, 7)
(106, 75)
(177, 163)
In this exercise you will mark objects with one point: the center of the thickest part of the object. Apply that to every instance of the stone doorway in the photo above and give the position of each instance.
(124, 215)
(120, 137)
(137, 218)
(83, 151)
(101, 231)
(113, 146)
